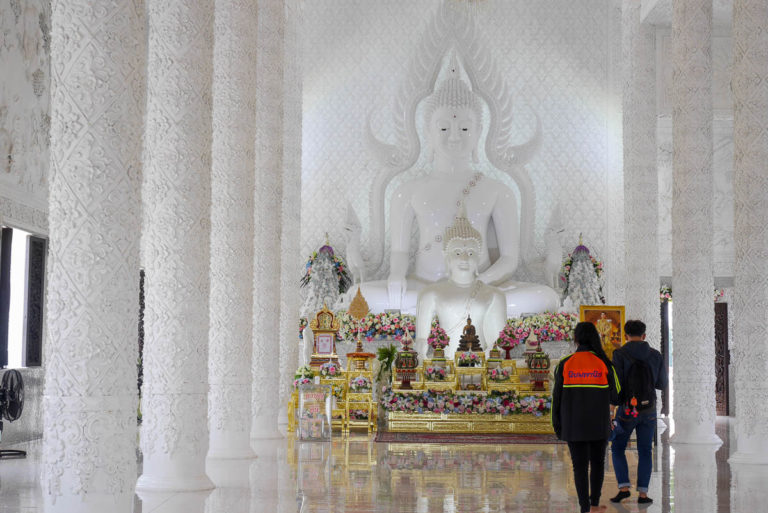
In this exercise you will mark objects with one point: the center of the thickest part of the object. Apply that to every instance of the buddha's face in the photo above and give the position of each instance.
(454, 132)
(463, 258)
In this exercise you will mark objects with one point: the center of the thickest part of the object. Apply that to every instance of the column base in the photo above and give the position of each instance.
(230, 445)
(748, 458)
(188, 502)
(181, 473)
(230, 473)
(89, 503)
(154, 484)
(695, 439)
(689, 433)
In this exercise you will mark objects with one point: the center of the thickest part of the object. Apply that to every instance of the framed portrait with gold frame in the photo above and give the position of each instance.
(609, 321)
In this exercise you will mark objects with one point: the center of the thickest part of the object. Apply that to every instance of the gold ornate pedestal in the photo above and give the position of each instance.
(468, 423)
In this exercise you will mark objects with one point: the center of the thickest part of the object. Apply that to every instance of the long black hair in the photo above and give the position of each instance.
(585, 334)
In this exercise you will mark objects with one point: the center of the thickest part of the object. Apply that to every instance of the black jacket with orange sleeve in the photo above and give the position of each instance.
(585, 386)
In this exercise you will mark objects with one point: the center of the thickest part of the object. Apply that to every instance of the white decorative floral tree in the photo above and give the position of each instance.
(582, 275)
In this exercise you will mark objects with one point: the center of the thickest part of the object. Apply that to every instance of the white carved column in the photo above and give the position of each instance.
(750, 183)
(641, 180)
(290, 262)
(231, 299)
(267, 207)
(175, 245)
(692, 278)
(90, 398)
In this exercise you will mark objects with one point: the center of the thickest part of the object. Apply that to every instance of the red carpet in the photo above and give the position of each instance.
(464, 438)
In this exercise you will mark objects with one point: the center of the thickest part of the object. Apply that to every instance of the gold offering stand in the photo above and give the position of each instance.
(360, 364)
(523, 423)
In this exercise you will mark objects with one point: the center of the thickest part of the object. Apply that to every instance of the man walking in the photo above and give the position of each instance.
(641, 372)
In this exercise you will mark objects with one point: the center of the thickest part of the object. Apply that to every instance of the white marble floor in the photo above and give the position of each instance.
(358, 475)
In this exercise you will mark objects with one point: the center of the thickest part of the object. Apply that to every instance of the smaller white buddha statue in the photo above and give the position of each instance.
(462, 295)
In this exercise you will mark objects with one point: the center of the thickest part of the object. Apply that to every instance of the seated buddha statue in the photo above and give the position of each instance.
(470, 312)
(469, 340)
(453, 124)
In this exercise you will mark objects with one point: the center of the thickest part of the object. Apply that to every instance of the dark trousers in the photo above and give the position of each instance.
(584, 454)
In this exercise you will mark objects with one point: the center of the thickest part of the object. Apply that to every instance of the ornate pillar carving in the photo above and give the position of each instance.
(267, 207)
(89, 403)
(231, 299)
(750, 139)
(290, 262)
(692, 274)
(641, 179)
(175, 245)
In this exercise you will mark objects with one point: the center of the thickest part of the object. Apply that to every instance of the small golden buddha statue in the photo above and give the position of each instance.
(469, 340)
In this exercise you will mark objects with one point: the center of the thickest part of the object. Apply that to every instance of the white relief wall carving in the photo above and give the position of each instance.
(25, 101)
(561, 72)
(290, 261)
(175, 248)
(98, 58)
(267, 211)
(694, 398)
(640, 173)
(231, 298)
(749, 349)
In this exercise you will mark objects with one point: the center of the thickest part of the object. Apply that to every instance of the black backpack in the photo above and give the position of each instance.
(638, 386)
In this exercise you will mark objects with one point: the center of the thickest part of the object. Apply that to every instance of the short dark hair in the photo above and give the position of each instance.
(634, 328)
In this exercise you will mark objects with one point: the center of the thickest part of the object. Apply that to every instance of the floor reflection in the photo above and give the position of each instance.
(357, 475)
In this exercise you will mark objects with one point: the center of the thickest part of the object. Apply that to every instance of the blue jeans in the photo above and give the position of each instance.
(645, 425)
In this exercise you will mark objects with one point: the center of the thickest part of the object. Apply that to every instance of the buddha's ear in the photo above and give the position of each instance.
(431, 153)
(475, 160)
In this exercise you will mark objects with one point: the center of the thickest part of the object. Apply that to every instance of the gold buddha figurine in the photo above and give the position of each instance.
(469, 340)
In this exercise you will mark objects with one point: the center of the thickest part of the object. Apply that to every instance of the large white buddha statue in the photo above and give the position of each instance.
(462, 295)
(453, 127)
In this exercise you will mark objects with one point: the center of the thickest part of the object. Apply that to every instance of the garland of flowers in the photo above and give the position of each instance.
(548, 326)
(430, 401)
(339, 266)
(375, 326)
(665, 293)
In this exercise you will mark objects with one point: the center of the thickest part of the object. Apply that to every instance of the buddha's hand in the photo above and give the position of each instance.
(396, 287)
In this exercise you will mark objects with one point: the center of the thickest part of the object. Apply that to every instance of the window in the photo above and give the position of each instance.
(22, 286)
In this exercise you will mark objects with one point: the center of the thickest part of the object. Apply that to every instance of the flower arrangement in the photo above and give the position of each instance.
(358, 415)
(360, 384)
(429, 401)
(665, 293)
(438, 338)
(304, 371)
(508, 339)
(330, 370)
(340, 268)
(434, 373)
(468, 359)
(498, 375)
(376, 326)
(548, 326)
(301, 381)
(303, 376)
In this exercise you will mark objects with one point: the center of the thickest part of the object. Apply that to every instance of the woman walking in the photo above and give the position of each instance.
(586, 385)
